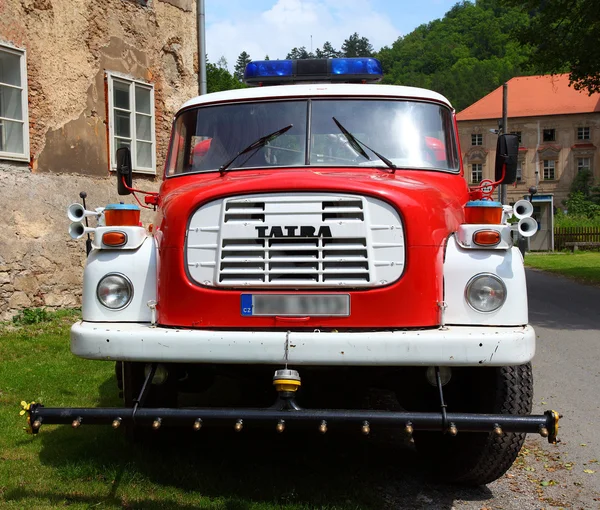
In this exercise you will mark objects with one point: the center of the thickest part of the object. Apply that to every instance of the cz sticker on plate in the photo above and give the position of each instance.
(265, 305)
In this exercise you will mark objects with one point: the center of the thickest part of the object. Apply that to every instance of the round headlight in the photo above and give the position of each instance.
(485, 292)
(114, 291)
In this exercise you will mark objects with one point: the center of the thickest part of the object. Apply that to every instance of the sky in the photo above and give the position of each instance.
(274, 27)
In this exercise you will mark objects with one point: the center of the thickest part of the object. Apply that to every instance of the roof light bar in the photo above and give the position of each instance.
(277, 72)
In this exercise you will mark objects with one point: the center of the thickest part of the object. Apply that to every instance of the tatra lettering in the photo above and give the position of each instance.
(293, 231)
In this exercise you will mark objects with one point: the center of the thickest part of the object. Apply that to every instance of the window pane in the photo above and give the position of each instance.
(10, 68)
(121, 95)
(10, 103)
(122, 125)
(144, 155)
(142, 100)
(11, 136)
(118, 144)
(143, 127)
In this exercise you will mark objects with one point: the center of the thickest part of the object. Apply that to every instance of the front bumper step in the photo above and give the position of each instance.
(452, 423)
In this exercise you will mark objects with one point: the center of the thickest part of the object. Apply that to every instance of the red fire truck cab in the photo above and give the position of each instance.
(317, 233)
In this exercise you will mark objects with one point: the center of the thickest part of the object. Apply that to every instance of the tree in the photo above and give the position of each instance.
(356, 46)
(240, 66)
(565, 36)
(218, 77)
(328, 51)
(464, 56)
(299, 54)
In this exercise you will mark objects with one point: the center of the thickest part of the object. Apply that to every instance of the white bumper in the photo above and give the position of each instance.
(456, 345)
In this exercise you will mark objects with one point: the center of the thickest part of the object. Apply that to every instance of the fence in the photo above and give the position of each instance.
(563, 235)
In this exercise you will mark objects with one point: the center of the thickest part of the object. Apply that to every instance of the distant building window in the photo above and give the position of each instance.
(518, 133)
(477, 139)
(584, 164)
(549, 135)
(583, 133)
(549, 169)
(14, 121)
(519, 170)
(131, 122)
(476, 173)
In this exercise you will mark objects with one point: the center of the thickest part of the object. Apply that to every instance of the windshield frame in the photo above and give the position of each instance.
(452, 131)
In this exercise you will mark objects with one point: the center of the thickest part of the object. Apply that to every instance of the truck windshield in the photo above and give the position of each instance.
(411, 134)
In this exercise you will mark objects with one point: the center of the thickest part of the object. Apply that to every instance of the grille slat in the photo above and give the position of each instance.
(296, 240)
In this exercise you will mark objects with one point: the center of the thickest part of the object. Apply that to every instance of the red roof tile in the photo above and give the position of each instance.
(532, 96)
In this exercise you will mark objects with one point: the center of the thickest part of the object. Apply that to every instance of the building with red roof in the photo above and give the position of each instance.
(558, 128)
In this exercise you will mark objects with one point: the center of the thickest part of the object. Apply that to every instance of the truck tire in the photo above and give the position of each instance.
(480, 458)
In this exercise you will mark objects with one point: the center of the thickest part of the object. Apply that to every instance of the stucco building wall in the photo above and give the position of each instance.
(565, 151)
(70, 46)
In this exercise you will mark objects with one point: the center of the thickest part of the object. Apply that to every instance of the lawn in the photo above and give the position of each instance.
(581, 266)
(94, 466)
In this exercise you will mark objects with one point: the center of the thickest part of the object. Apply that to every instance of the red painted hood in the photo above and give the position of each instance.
(430, 204)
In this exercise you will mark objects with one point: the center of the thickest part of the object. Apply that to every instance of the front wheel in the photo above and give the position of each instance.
(480, 458)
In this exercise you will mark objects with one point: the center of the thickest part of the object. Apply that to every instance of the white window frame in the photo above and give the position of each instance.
(580, 166)
(548, 167)
(477, 138)
(478, 170)
(583, 133)
(16, 156)
(111, 78)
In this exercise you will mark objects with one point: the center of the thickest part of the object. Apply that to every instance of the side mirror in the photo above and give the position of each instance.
(124, 170)
(507, 151)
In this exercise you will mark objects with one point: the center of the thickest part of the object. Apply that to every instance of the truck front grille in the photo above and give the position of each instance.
(295, 240)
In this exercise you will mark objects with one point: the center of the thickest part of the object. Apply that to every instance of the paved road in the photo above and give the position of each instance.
(566, 317)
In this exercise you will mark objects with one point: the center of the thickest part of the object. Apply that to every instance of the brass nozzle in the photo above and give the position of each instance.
(498, 430)
(157, 423)
(239, 425)
(323, 427)
(543, 431)
(452, 430)
(198, 424)
(77, 422)
(36, 424)
(366, 428)
(280, 426)
(116, 423)
(409, 429)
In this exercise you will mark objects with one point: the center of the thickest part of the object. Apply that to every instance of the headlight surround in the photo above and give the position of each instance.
(485, 292)
(114, 291)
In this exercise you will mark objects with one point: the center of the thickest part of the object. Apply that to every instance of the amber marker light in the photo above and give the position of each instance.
(486, 237)
(114, 238)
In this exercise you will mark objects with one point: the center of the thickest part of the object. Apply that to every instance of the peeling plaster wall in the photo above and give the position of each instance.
(70, 45)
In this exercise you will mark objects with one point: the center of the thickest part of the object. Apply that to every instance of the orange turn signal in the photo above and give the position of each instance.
(486, 237)
(114, 238)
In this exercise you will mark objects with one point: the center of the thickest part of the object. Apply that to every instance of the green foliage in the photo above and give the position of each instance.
(299, 53)
(328, 51)
(579, 205)
(583, 202)
(464, 56)
(31, 316)
(564, 35)
(240, 66)
(356, 46)
(574, 220)
(218, 78)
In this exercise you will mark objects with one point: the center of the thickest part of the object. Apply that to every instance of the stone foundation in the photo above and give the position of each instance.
(40, 265)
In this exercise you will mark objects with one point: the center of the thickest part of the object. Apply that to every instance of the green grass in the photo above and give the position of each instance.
(581, 266)
(94, 467)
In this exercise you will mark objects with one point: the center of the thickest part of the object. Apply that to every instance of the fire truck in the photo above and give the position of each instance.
(315, 238)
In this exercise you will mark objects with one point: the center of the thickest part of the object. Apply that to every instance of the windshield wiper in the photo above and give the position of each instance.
(356, 145)
(261, 142)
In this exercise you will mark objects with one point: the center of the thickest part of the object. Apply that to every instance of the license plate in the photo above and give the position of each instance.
(330, 305)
